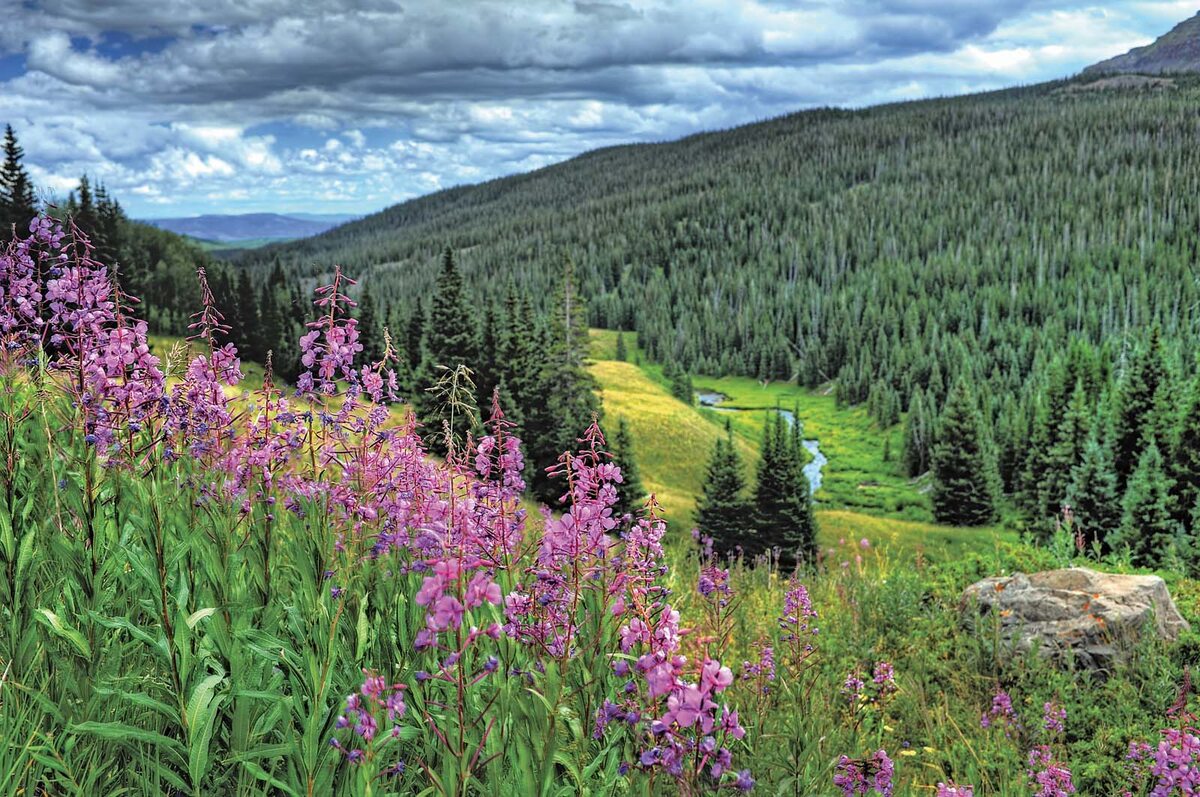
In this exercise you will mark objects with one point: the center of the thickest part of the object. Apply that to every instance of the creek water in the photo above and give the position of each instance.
(812, 471)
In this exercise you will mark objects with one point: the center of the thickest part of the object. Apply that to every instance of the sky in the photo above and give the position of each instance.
(233, 106)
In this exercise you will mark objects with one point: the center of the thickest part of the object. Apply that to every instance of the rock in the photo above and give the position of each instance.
(1093, 618)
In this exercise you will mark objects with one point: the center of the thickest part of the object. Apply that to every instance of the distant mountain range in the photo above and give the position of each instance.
(257, 227)
(1176, 51)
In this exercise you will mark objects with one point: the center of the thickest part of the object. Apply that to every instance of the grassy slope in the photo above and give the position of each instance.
(862, 494)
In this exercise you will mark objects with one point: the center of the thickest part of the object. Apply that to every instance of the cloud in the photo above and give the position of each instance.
(355, 104)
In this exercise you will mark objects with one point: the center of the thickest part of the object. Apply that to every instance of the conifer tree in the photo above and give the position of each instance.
(1138, 412)
(964, 487)
(450, 338)
(1093, 495)
(1064, 453)
(723, 512)
(414, 336)
(245, 331)
(1185, 459)
(681, 383)
(563, 400)
(370, 331)
(17, 202)
(622, 353)
(631, 494)
(1147, 526)
(782, 495)
(917, 436)
(270, 331)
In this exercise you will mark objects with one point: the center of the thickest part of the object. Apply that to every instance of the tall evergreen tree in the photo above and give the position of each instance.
(449, 341)
(964, 486)
(450, 337)
(1093, 495)
(1185, 458)
(566, 400)
(245, 329)
(631, 493)
(1138, 417)
(370, 330)
(1064, 453)
(1148, 527)
(782, 495)
(17, 202)
(917, 436)
(723, 511)
(622, 352)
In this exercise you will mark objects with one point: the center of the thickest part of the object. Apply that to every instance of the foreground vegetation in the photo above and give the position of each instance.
(283, 595)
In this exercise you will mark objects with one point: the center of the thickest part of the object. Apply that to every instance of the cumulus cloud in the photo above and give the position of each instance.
(351, 105)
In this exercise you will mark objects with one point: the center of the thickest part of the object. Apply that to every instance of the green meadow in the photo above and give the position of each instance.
(861, 496)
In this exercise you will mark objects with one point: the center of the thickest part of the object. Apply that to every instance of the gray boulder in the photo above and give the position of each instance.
(1093, 619)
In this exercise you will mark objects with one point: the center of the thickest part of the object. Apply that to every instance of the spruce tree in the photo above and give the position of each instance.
(1059, 459)
(782, 495)
(370, 331)
(1185, 458)
(1093, 495)
(450, 338)
(917, 436)
(631, 494)
(622, 353)
(1138, 411)
(1147, 526)
(270, 330)
(245, 332)
(562, 402)
(488, 371)
(964, 487)
(17, 202)
(723, 512)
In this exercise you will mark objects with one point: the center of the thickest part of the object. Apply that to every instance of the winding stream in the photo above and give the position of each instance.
(812, 471)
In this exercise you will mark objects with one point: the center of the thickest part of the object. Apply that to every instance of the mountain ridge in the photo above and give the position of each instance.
(1176, 51)
(229, 228)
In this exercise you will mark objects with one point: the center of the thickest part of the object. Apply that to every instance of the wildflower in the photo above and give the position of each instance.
(1001, 713)
(1050, 778)
(1054, 717)
(954, 790)
(852, 689)
(856, 777)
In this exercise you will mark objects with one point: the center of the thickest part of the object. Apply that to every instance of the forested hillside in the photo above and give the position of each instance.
(893, 251)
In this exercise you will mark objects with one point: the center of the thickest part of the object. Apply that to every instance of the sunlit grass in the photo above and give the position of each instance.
(857, 476)
(671, 441)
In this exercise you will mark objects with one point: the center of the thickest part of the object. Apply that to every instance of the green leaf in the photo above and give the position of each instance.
(127, 735)
(266, 777)
(64, 631)
(202, 713)
(199, 615)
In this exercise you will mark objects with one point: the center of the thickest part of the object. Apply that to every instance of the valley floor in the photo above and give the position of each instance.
(862, 494)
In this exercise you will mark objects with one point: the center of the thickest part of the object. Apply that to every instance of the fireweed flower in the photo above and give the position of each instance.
(762, 671)
(1001, 714)
(858, 777)
(1175, 763)
(883, 680)
(376, 704)
(852, 689)
(328, 349)
(1054, 718)
(954, 790)
(798, 625)
(1048, 777)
